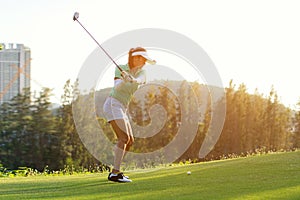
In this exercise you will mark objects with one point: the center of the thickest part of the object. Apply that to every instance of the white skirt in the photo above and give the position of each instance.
(114, 109)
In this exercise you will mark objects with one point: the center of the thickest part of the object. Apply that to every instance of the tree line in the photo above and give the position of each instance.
(34, 135)
(256, 123)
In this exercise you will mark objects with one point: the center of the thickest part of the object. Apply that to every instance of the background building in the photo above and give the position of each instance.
(14, 70)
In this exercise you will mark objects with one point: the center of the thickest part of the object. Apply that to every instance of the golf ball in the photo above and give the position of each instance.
(188, 173)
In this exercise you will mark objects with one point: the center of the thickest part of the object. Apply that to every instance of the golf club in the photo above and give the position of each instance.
(75, 18)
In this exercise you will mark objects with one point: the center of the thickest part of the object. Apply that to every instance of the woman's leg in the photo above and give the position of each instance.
(131, 139)
(123, 131)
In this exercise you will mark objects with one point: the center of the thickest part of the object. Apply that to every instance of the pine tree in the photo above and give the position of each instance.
(67, 128)
(46, 146)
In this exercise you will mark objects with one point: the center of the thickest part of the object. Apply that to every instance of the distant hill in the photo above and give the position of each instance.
(203, 94)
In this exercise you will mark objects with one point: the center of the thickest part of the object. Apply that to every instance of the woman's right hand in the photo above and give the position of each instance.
(127, 77)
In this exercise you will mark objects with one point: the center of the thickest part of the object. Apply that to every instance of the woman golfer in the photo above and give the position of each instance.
(125, 84)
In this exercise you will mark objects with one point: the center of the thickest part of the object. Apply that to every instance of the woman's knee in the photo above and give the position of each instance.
(123, 132)
(125, 139)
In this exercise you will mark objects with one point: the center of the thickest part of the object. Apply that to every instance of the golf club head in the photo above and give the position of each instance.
(76, 16)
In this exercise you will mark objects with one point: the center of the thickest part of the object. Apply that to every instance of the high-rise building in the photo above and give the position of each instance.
(14, 70)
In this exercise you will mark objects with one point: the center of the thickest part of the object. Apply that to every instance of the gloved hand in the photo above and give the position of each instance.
(127, 77)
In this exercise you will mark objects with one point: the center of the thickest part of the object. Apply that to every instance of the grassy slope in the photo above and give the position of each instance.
(273, 176)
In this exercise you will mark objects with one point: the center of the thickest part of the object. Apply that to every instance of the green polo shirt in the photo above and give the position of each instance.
(125, 91)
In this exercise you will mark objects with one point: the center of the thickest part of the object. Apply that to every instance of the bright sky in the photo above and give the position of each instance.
(253, 42)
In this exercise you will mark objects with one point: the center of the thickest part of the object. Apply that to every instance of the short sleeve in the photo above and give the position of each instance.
(117, 73)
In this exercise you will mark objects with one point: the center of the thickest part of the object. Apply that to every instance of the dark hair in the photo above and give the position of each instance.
(132, 50)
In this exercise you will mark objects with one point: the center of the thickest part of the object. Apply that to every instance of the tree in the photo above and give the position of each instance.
(296, 133)
(72, 151)
(47, 144)
(16, 120)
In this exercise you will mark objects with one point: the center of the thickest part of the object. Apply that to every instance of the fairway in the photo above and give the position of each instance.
(271, 176)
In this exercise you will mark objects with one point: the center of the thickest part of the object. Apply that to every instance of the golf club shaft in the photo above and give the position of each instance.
(100, 46)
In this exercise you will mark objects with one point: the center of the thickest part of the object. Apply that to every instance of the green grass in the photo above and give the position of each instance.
(272, 176)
